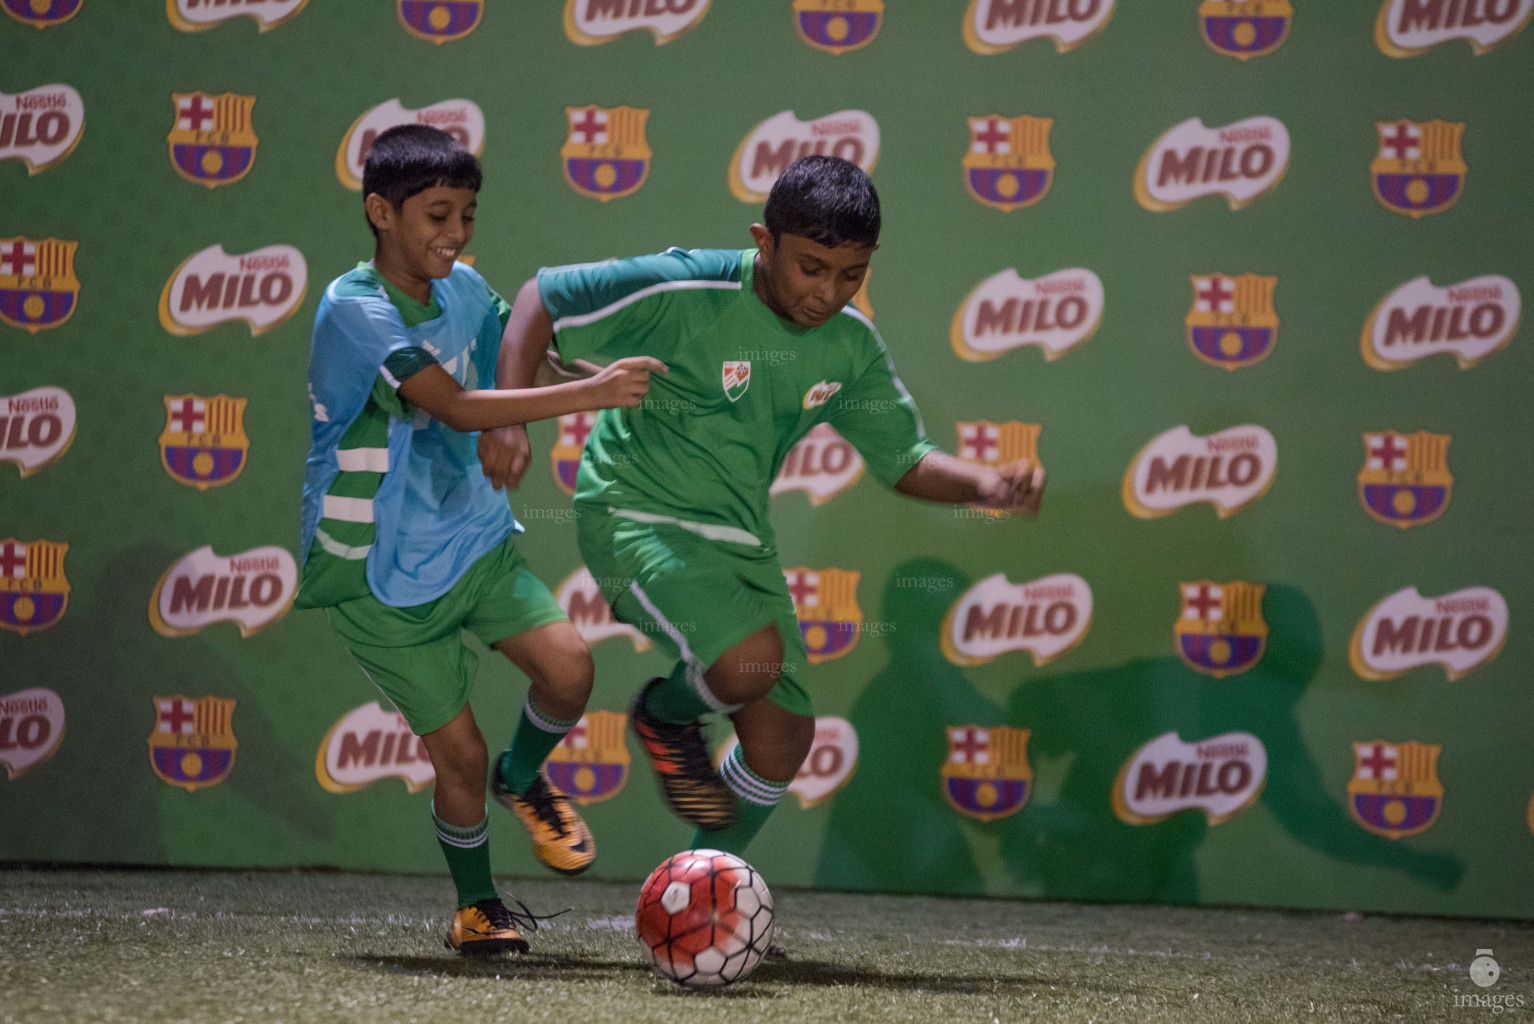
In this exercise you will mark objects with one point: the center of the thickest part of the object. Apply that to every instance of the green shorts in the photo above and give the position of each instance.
(417, 655)
(696, 597)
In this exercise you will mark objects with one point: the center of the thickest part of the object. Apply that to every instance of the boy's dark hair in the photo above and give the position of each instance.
(410, 158)
(825, 199)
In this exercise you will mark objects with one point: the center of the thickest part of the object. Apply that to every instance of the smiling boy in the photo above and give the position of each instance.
(761, 346)
(407, 543)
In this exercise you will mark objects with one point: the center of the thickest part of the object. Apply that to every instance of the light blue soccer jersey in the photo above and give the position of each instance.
(395, 502)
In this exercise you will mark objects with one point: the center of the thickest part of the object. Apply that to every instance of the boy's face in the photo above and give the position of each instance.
(429, 230)
(809, 283)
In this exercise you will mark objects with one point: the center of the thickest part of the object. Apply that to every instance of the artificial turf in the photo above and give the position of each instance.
(169, 946)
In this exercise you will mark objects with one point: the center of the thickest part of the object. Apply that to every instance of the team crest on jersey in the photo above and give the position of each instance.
(1419, 169)
(986, 774)
(565, 456)
(33, 588)
(440, 21)
(1232, 323)
(591, 763)
(1406, 28)
(593, 22)
(1009, 165)
(605, 155)
(197, 15)
(367, 745)
(1240, 161)
(1055, 312)
(1460, 631)
(31, 729)
(204, 443)
(41, 126)
(38, 286)
(829, 766)
(36, 428)
(582, 600)
(42, 13)
(1469, 320)
(1045, 617)
(193, 742)
(995, 26)
(212, 141)
(737, 378)
(1245, 28)
(211, 287)
(1405, 480)
(826, 603)
(1220, 776)
(1229, 470)
(771, 146)
(997, 444)
(462, 119)
(1221, 631)
(252, 589)
(1395, 790)
(823, 464)
(837, 26)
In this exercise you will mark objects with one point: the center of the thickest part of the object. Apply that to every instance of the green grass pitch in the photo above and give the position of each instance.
(201, 946)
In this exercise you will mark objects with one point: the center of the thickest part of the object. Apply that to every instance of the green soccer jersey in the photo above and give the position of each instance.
(744, 386)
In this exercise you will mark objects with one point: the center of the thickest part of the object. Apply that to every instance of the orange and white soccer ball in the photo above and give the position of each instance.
(704, 918)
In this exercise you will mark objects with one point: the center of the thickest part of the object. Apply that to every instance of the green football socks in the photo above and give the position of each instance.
(536, 737)
(678, 700)
(467, 850)
(755, 799)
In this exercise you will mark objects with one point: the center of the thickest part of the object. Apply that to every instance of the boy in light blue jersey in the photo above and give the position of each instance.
(407, 543)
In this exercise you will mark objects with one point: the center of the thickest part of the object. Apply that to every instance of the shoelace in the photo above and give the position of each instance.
(541, 800)
(501, 916)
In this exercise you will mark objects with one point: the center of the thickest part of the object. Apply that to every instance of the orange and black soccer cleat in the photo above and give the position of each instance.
(486, 927)
(680, 759)
(561, 840)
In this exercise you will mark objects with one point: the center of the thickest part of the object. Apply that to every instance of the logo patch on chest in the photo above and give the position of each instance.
(821, 393)
(737, 377)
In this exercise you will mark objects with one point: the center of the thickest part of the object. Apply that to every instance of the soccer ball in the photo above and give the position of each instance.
(704, 918)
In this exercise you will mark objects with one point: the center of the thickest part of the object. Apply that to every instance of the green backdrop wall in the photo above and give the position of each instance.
(1244, 277)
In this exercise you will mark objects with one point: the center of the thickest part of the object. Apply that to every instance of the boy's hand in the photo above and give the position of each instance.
(504, 454)
(624, 383)
(1018, 487)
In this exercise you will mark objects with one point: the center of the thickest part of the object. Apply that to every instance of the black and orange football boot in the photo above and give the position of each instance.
(561, 839)
(485, 928)
(680, 759)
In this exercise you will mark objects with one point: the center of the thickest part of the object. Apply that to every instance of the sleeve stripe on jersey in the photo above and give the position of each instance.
(351, 553)
(582, 319)
(363, 460)
(348, 510)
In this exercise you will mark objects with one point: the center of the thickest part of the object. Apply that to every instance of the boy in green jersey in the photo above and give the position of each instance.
(405, 541)
(760, 346)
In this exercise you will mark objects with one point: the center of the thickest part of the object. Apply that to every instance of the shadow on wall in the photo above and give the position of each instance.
(98, 799)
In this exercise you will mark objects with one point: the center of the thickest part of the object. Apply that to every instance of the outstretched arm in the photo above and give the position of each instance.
(504, 454)
(1016, 486)
(433, 389)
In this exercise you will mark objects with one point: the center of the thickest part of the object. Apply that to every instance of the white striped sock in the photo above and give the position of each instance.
(748, 785)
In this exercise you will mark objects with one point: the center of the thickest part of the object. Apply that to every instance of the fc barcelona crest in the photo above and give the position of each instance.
(606, 155)
(591, 763)
(212, 142)
(1244, 29)
(566, 454)
(1221, 631)
(826, 602)
(193, 742)
(837, 26)
(986, 775)
(1395, 790)
(204, 443)
(996, 444)
(42, 13)
(736, 376)
(1232, 323)
(1405, 480)
(33, 589)
(1009, 165)
(1419, 169)
(440, 21)
(38, 286)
